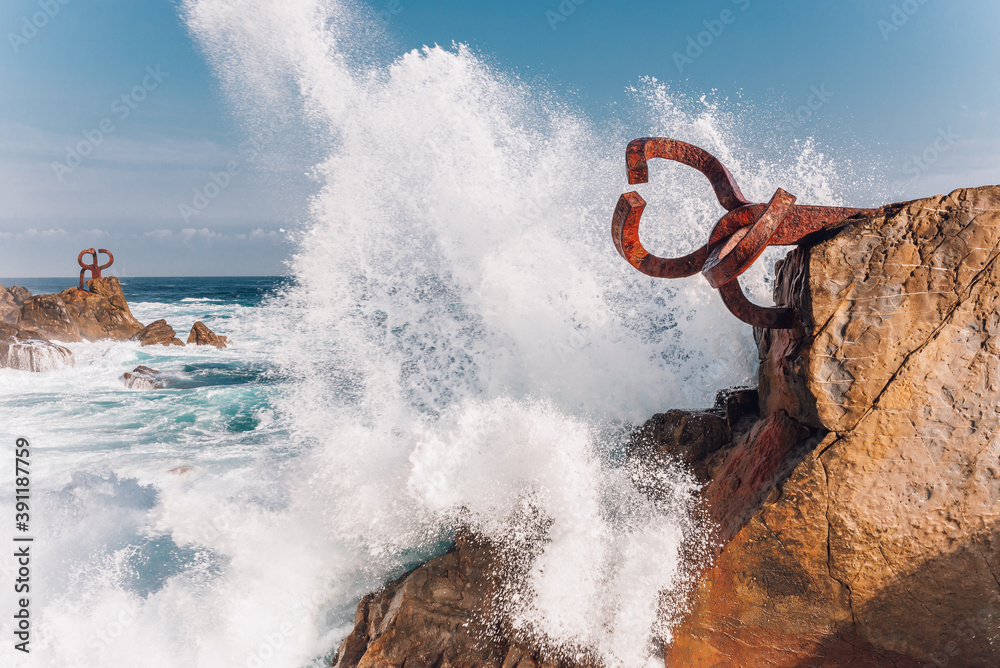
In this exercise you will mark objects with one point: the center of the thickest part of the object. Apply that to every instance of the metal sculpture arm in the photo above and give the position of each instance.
(736, 241)
(94, 267)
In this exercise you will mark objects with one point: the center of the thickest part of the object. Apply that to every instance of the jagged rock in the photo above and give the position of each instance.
(20, 293)
(440, 614)
(157, 333)
(26, 350)
(10, 303)
(9, 310)
(142, 378)
(882, 546)
(697, 439)
(81, 315)
(201, 335)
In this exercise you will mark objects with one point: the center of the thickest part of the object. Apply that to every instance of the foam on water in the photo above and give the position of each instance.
(462, 346)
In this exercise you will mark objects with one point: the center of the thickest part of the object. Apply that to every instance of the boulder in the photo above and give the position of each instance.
(442, 613)
(81, 315)
(157, 333)
(9, 309)
(19, 293)
(25, 350)
(882, 545)
(142, 378)
(10, 303)
(201, 335)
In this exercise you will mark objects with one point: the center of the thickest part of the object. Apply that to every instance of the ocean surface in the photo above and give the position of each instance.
(458, 344)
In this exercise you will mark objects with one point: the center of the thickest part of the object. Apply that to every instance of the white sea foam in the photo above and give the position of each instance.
(462, 345)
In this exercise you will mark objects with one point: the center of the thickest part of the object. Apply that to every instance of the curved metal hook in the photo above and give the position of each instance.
(736, 241)
(625, 234)
(628, 212)
(730, 259)
(111, 258)
(640, 150)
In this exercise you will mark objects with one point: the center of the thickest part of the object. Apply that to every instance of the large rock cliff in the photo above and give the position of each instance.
(855, 497)
(882, 548)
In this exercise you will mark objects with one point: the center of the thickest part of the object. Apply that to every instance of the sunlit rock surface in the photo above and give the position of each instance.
(856, 506)
(157, 333)
(201, 335)
(882, 548)
(81, 315)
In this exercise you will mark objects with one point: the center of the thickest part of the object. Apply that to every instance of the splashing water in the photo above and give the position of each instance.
(461, 343)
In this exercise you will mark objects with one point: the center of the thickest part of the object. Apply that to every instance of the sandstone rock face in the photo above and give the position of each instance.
(440, 614)
(25, 350)
(201, 335)
(157, 333)
(142, 378)
(882, 547)
(80, 315)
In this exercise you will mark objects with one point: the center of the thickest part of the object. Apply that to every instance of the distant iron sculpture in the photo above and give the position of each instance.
(736, 241)
(95, 269)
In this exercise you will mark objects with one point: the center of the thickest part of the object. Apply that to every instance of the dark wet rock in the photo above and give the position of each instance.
(201, 335)
(157, 333)
(442, 613)
(142, 378)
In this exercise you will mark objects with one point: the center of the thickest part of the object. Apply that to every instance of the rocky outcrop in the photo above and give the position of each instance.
(442, 613)
(157, 333)
(81, 315)
(201, 335)
(10, 303)
(142, 378)
(25, 350)
(856, 506)
(882, 547)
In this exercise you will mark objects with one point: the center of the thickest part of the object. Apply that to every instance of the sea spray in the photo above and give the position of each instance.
(465, 338)
(461, 345)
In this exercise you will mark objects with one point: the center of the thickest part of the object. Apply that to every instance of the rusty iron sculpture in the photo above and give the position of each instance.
(94, 267)
(735, 242)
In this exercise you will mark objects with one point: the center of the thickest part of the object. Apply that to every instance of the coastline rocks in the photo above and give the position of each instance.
(856, 507)
(28, 351)
(142, 378)
(10, 303)
(201, 335)
(79, 315)
(882, 546)
(440, 614)
(157, 333)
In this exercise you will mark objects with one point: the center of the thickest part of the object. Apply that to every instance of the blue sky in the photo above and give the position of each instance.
(900, 79)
